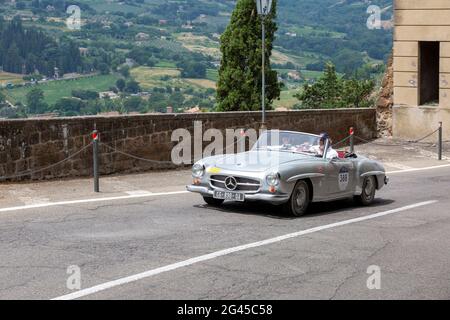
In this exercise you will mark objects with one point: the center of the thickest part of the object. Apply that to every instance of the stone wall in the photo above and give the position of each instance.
(33, 144)
(385, 102)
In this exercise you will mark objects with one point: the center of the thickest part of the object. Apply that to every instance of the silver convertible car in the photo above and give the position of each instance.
(284, 168)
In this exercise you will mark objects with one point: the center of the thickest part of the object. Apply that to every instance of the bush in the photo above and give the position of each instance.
(132, 86)
(85, 94)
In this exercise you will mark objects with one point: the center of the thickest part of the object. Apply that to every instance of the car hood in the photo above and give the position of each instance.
(255, 161)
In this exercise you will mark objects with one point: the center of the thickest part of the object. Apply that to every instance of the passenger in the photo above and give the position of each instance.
(286, 143)
(319, 149)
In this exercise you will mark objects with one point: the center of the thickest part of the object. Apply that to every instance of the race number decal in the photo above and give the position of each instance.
(343, 177)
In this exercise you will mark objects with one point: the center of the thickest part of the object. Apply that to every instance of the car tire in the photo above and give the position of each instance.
(299, 201)
(369, 188)
(213, 202)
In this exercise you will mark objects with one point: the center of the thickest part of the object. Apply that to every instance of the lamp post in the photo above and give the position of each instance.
(264, 7)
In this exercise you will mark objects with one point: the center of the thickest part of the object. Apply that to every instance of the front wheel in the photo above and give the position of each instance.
(368, 191)
(213, 202)
(299, 200)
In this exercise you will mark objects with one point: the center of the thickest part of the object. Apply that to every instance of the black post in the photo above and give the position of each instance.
(95, 155)
(440, 141)
(263, 67)
(352, 140)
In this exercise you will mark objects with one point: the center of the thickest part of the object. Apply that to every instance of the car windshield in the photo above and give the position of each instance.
(287, 141)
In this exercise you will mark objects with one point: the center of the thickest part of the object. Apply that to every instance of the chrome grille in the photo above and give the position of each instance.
(243, 184)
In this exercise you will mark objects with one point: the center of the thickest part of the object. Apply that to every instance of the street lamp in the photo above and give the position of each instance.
(264, 7)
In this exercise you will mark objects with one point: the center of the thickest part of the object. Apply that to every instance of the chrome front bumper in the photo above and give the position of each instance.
(272, 198)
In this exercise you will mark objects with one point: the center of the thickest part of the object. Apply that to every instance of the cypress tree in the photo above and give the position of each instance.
(240, 78)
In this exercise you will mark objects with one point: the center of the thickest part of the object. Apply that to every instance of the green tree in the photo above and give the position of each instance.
(103, 68)
(35, 101)
(120, 84)
(240, 80)
(331, 91)
(125, 71)
(69, 106)
(2, 98)
(132, 86)
(357, 93)
(134, 104)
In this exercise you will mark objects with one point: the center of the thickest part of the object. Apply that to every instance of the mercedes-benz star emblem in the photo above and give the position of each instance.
(231, 183)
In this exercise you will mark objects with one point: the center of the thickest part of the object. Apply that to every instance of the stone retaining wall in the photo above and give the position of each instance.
(32, 144)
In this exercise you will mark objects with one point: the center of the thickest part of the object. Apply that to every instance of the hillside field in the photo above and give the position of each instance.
(54, 90)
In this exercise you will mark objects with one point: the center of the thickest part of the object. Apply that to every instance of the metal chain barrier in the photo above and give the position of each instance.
(136, 157)
(342, 141)
(398, 144)
(115, 150)
(46, 168)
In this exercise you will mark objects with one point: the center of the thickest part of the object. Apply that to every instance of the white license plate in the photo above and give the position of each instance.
(226, 195)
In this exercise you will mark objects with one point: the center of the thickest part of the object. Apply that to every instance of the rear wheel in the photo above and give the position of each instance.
(213, 202)
(368, 191)
(299, 201)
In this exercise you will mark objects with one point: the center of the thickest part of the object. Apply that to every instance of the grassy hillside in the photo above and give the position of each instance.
(176, 33)
(55, 90)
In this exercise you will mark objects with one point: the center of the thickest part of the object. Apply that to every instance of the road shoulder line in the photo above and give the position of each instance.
(60, 203)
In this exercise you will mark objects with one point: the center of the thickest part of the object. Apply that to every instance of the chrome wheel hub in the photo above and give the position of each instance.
(300, 197)
(368, 188)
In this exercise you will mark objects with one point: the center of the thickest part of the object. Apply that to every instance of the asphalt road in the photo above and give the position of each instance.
(111, 240)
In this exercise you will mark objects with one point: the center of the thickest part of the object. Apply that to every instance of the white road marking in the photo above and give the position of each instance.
(419, 169)
(60, 203)
(210, 256)
(138, 192)
(396, 165)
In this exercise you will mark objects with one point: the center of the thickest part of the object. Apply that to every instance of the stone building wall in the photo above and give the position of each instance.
(32, 144)
(421, 74)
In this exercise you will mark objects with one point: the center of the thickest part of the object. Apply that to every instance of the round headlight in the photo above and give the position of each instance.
(198, 170)
(273, 179)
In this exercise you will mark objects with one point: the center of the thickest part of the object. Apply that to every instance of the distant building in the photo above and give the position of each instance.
(291, 34)
(129, 62)
(141, 36)
(193, 110)
(162, 22)
(83, 51)
(108, 95)
(187, 26)
(294, 75)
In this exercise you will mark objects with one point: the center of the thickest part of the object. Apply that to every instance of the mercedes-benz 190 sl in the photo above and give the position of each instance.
(284, 168)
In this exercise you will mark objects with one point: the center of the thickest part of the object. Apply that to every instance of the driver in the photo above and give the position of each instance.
(318, 149)
(286, 142)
